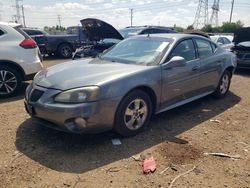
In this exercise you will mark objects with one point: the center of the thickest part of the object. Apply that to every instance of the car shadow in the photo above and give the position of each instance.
(18, 96)
(72, 153)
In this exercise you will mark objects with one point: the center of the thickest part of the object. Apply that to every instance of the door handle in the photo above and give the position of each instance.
(195, 68)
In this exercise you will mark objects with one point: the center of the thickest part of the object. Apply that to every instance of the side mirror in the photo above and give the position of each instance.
(176, 61)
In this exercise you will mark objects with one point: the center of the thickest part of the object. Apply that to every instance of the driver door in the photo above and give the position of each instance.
(180, 82)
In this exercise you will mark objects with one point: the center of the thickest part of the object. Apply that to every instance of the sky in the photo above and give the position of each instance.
(40, 13)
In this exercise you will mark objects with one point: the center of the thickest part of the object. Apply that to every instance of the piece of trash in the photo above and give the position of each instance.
(224, 155)
(116, 141)
(215, 120)
(149, 165)
(173, 167)
(137, 157)
(113, 169)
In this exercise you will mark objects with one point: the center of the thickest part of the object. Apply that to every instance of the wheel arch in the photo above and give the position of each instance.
(148, 90)
(14, 66)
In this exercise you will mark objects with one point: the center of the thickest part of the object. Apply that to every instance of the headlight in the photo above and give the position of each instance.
(79, 95)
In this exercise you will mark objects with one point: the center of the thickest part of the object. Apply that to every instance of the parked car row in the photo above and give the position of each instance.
(134, 73)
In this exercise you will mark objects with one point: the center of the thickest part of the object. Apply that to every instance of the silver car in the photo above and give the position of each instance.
(126, 85)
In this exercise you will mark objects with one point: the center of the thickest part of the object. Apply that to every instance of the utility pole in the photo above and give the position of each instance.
(231, 14)
(18, 15)
(131, 17)
(59, 20)
(201, 16)
(1, 10)
(24, 22)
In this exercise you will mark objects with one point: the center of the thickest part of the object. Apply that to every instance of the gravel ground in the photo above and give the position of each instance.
(33, 156)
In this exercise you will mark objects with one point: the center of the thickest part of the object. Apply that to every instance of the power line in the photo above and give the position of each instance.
(231, 14)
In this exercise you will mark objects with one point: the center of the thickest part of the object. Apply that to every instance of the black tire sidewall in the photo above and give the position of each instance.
(60, 50)
(119, 125)
(18, 78)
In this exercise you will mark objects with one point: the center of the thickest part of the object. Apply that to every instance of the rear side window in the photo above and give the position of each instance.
(226, 41)
(1, 32)
(204, 48)
(32, 32)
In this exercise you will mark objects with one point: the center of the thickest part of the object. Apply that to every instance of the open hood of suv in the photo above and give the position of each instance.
(242, 35)
(98, 30)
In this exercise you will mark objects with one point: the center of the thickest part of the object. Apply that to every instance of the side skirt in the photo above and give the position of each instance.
(184, 102)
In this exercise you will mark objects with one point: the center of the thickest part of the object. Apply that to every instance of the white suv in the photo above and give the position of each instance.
(20, 58)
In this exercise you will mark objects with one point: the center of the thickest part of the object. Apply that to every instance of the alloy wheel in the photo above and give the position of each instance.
(136, 114)
(224, 84)
(8, 82)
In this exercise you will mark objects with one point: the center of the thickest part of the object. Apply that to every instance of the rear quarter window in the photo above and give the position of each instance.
(1, 32)
(19, 30)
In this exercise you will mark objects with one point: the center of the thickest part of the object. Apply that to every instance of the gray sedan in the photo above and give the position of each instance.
(126, 85)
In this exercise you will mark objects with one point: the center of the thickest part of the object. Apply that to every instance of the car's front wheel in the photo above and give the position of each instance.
(10, 81)
(224, 85)
(133, 113)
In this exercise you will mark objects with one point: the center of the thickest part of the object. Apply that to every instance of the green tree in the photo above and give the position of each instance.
(190, 27)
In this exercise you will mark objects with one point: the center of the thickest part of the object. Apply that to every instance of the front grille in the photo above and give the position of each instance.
(36, 95)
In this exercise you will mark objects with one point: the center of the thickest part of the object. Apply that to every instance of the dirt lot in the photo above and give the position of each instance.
(33, 156)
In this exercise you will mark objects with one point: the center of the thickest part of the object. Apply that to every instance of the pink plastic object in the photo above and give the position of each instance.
(149, 165)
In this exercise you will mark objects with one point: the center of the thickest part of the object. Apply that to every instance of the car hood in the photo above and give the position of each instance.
(86, 72)
(98, 30)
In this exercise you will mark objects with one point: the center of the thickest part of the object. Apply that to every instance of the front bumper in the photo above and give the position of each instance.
(90, 117)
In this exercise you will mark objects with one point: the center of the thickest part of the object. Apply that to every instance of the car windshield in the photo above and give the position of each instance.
(141, 51)
(130, 32)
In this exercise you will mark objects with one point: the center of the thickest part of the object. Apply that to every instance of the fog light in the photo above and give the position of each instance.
(80, 122)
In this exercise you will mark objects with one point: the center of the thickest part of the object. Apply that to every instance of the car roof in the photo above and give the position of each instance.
(12, 24)
(33, 29)
(175, 36)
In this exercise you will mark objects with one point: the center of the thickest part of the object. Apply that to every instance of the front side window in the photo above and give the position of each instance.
(185, 49)
(204, 48)
(142, 51)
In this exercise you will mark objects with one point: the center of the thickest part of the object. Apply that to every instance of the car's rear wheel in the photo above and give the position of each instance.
(224, 85)
(133, 113)
(65, 51)
(10, 81)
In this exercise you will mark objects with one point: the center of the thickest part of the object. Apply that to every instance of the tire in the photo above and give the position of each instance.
(224, 85)
(138, 107)
(10, 81)
(65, 51)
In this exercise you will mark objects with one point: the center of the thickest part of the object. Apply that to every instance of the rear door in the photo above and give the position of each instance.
(210, 65)
(181, 83)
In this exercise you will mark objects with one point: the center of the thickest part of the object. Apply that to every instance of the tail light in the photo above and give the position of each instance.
(28, 44)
